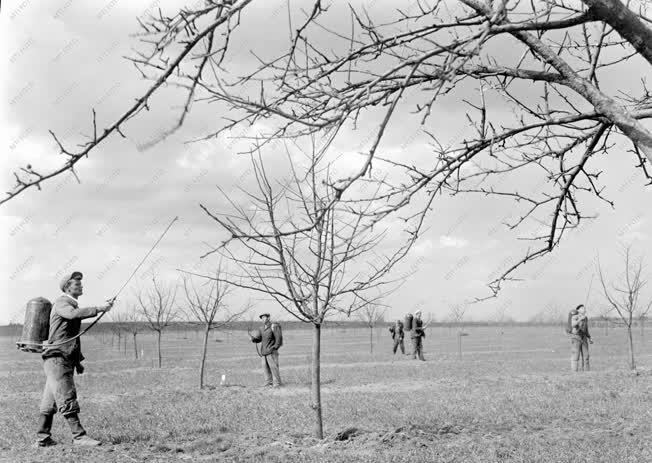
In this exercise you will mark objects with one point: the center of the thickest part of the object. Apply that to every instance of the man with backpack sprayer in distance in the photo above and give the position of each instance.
(417, 336)
(580, 339)
(397, 336)
(270, 338)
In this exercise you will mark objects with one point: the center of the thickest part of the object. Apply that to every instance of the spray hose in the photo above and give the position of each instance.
(255, 344)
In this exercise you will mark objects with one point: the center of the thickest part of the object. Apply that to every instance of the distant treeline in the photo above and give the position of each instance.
(109, 327)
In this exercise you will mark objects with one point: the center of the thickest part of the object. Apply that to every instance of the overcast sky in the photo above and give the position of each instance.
(62, 58)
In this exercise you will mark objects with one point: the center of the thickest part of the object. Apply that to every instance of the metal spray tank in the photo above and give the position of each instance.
(37, 325)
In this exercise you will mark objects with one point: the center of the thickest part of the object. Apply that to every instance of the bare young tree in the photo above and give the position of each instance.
(118, 320)
(457, 313)
(606, 320)
(624, 296)
(133, 325)
(372, 314)
(157, 306)
(204, 305)
(551, 62)
(316, 257)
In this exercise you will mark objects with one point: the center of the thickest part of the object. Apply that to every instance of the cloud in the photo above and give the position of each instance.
(423, 246)
(452, 242)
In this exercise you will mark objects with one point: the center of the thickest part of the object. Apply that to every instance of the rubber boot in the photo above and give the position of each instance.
(79, 436)
(78, 431)
(574, 365)
(44, 430)
(587, 367)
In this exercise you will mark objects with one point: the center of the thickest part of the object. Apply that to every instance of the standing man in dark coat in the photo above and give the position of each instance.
(580, 340)
(397, 335)
(417, 336)
(61, 361)
(271, 340)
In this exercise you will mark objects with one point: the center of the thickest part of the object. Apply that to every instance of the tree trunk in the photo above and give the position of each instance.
(203, 357)
(371, 340)
(459, 345)
(642, 329)
(135, 347)
(632, 364)
(125, 353)
(315, 386)
(119, 341)
(158, 346)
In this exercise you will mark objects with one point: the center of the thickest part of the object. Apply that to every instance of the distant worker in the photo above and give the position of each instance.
(271, 339)
(397, 336)
(417, 336)
(60, 362)
(580, 339)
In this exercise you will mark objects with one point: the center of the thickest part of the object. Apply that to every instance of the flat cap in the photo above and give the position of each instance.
(70, 276)
(263, 315)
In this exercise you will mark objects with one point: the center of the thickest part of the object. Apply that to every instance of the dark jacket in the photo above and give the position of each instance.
(271, 338)
(65, 323)
(397, 330)
(417, 328)
(583, 328)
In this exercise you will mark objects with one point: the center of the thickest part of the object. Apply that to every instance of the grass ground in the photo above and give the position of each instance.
(511, 398)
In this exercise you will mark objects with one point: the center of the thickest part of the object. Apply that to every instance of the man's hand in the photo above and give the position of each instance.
(106, 307)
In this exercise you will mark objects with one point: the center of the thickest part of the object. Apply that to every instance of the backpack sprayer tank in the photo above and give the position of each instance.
(37, 325)
(256, 335)
(407, 323)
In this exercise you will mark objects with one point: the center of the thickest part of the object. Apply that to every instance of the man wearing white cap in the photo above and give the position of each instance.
(417, 336)
(61, 361)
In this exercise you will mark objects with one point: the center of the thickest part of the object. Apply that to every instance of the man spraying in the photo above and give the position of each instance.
(270, 339)
(61, 361)
(397, 336)
(580, 340)
(417, 336)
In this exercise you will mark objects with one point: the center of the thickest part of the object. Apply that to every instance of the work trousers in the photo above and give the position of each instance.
(271, 369)
(60, 395)
(580, 353)
(417, 347)
(399, 342)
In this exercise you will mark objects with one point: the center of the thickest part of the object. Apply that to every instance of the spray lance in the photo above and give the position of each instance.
(586, 299)
(36, 346)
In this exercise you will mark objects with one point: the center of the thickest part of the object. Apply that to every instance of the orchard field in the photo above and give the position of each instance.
(510, 398)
